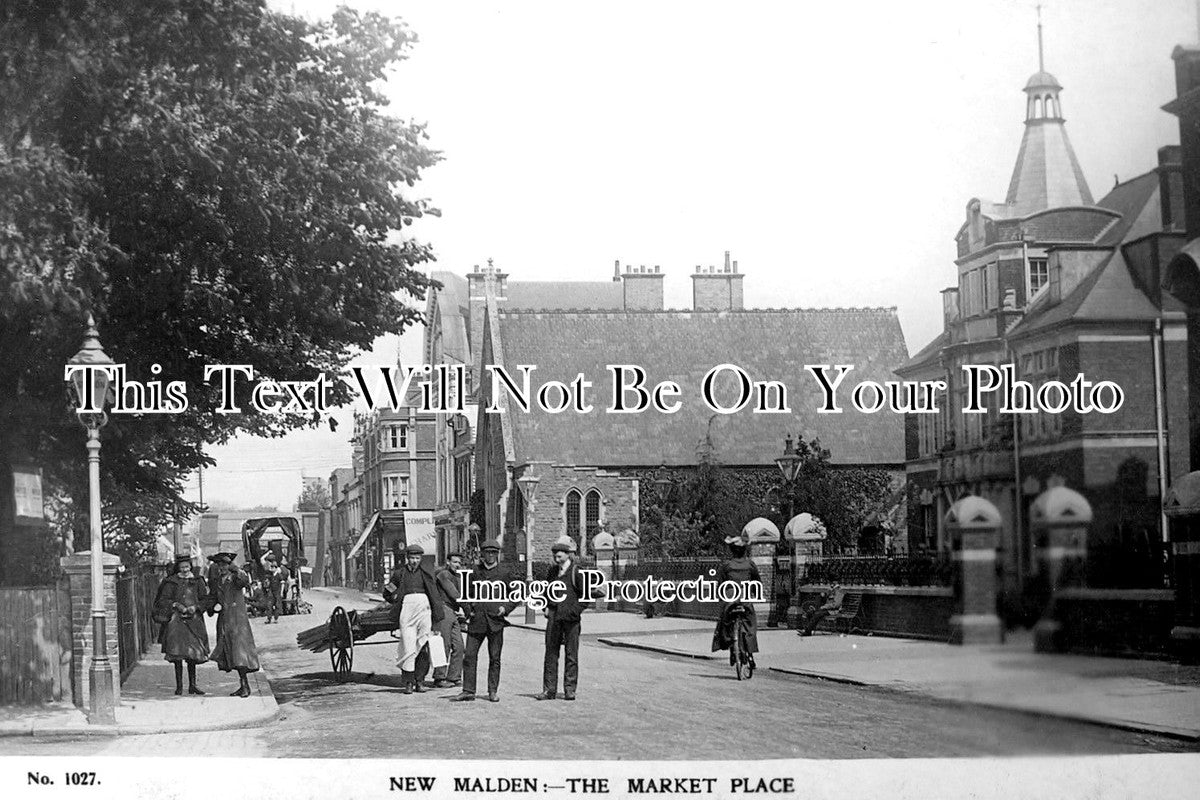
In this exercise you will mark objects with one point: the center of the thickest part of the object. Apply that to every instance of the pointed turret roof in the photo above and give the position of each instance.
(1047, 173)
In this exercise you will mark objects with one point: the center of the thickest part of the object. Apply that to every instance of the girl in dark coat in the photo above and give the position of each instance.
(235, 648)
(179, 606)
(738, 569)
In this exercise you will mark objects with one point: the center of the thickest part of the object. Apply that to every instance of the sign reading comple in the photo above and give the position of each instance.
(418, 529)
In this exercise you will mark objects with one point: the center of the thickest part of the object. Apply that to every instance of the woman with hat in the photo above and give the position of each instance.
(181, 598)
(235, 650)
(737, 569)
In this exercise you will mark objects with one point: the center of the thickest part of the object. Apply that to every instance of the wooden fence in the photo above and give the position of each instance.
(35, 645)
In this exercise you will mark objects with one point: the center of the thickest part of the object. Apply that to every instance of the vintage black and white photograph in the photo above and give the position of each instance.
(786, 399)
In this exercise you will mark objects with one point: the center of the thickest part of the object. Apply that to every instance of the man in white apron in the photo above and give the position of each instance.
(413, 592)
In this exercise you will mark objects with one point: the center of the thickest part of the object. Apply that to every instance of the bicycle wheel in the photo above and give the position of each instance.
(744, 647)
(735, 650)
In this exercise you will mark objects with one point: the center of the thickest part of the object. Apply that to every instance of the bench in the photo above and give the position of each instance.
(848, 613)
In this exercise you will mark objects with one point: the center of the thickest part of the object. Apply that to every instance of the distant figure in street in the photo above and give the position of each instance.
(562, 621)
(417, 608)
(450, 627)
(485, 621)
(272, 587)
(738, 569)
(179, 605)
(832, 605)
(360, 579)
(235, 650)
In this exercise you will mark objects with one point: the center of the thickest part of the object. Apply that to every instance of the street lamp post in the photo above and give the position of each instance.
(528, 484)
(88, 374)
(789, 466)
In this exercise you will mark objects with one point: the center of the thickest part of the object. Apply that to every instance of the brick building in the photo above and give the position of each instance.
(587, 463)
(1059, 284)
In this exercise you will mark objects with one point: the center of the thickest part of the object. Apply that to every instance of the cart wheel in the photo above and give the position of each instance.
(341, 643)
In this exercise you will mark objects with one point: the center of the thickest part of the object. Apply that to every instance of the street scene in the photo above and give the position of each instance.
(536, 384)
(633, 704)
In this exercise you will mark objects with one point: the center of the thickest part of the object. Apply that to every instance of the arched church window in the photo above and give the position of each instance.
(573, 502)
(593, 513)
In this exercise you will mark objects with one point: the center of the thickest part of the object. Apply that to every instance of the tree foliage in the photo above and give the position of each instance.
(698, 507)
(314, 497)
(217, 184)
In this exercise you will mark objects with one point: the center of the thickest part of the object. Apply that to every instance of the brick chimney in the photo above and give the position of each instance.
(1170, 187)
(479, 283)
(717, 289)
(641, 287)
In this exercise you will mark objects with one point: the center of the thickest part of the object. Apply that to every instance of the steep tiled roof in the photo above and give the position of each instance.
(1046, 174)
(564, 295)
(1132, 200)
(452, 308)
(929, 352)
(682, 346)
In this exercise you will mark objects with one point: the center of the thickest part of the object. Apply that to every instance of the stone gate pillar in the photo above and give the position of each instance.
(763, 537)
(604, 546)
(807, 535)
(1059, 519)
(974, 527)
(78, 570)
(1182, 506)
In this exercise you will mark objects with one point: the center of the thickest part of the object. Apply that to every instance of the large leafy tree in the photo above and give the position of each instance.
(217, 184)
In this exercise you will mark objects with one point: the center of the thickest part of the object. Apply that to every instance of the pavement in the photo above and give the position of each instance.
(1159, 697)
(149, 704)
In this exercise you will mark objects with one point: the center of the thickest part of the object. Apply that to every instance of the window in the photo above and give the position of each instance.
(593, 513)
(395, 491)
(1039, 275)
(986, 293)
(573, 501)
(397, 437)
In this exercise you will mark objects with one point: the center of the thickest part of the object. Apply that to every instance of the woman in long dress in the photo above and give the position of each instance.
(737, 569)
(235, 650)
(179, 606)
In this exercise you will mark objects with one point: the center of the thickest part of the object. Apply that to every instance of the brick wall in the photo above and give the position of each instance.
(618, 504)
(78, 580)
(1116, 622)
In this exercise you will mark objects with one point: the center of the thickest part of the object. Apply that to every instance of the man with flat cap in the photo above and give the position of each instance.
(450, 627)
(562, 620)
(485, 620)
(417, 608)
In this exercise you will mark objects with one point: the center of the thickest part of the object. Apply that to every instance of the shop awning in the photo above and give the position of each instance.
(363, 538)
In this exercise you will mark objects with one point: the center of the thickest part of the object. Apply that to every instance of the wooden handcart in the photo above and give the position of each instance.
(346, 628)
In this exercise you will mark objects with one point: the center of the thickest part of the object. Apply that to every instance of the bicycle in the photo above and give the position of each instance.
(738, 618)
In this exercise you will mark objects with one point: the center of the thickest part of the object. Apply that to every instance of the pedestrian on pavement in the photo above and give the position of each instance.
(737, 569)
(485, 621)
(360, 579)
(272, 586)
(235, 650)
(832, 604)
(417, 607)
(450, 627)
(179, 606)
(562, 620)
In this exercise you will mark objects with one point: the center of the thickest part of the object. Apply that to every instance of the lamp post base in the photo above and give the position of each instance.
(102, 706)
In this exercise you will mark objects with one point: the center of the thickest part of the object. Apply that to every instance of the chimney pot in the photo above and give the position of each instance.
(727, 261)
(656, 269)
(698, 270)
(735, 267)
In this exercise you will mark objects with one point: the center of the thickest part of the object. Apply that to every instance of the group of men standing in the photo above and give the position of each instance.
(425, 601)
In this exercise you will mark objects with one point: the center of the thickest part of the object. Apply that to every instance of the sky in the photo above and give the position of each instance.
(831, 147)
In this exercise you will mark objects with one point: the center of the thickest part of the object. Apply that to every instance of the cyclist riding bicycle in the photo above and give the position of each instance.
(738, 569)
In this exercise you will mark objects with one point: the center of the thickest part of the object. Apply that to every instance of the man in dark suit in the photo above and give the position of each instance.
(562, 621)
(450, 627)
(485, 620)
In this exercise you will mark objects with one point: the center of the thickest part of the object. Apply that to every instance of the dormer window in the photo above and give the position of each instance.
(1039, 275)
